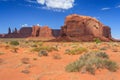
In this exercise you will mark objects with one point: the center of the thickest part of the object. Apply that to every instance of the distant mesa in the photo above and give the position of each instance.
(35, 31)
(75, 28)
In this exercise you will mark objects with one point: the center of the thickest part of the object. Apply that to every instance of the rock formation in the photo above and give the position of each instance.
(25, 32)
(35, 31)
(84, 28)
(9, 30)
(75, 28)
(44, 32)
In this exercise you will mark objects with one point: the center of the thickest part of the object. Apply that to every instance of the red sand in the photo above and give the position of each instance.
(48, 68)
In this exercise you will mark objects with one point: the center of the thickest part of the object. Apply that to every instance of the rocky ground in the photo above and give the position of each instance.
(23, 61)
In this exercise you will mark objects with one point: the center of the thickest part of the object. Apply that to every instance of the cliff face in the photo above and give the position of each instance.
(35, 31)
(44, 32)
(84, 28)
(25, 32)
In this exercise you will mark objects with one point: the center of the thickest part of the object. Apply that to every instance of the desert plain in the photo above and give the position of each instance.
(23, 59)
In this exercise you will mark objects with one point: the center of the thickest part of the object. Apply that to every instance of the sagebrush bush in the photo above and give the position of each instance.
(76, 51)
(14, 43)
(43, 53)
(103, 48)
(47, 48)
(91, 62)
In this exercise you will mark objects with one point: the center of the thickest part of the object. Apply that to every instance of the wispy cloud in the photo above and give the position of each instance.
(118, 6)
(6, 0)
(31, 1)
(97, 17)
(105, 8)
(3, 0)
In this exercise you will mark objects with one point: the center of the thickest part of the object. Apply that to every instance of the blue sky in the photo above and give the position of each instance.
(18, 13)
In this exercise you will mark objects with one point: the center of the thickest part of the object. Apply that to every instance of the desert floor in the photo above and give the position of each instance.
(25, 64)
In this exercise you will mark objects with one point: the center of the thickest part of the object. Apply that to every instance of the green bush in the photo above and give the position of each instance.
(14, 43)
(97, 40)
(43, 53)
(76, 51)
(49, 49)
(92, 61)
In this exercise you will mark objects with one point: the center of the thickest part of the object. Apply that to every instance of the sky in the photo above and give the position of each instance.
(20, 13)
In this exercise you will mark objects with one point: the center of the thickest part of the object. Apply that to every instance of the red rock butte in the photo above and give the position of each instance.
(75, 28)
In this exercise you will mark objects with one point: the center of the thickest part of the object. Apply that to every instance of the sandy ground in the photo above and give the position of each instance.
(48, 68)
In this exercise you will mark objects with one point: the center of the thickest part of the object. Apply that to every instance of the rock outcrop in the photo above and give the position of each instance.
(84, 28)
(43, 32)
(25, 32)
(35, 31)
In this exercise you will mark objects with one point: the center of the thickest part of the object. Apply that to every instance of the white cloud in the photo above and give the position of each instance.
(41, 1)
(97, 17)
(24, 25)
(57, 4)
(106, 8)
(118, 6)
(31, 1)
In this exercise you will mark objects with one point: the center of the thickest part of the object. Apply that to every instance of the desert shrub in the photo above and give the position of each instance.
(67, 51)
(15, 49)
(40, 43)
(34, 45)
(97, 40)
(47, 48)
(35, 59)
(110, 65)
(103, 48)
(25, 71)
(102, 55)
(1, 53)
(7, 46)
(56, 56)
(43, 53)
(14, 43)
(76, 51)
(25, 60)
(92, 61)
